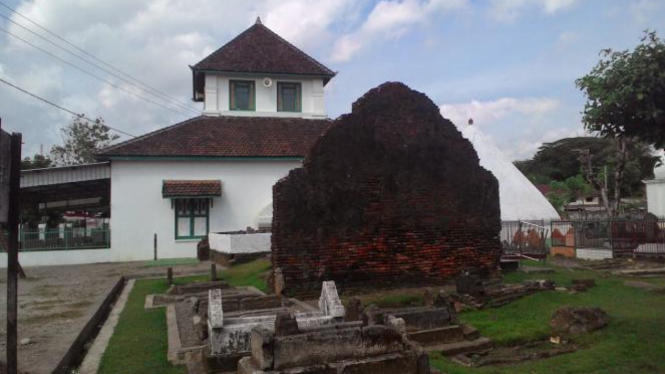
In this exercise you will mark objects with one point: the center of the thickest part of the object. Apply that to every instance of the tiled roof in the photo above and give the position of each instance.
(259, 50)
(182, 188)
(226, 136)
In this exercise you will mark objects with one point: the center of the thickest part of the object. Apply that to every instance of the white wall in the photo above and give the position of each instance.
(656, 197)
(138, 210)
(53, 258)
(217, 97)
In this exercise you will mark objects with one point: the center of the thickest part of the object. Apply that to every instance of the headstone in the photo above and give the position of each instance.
(215, 312)
(329, 302)
(213, 272)
(279, 282)
(428, 297)
(469, 283)
(286, 324)
(354, 311)
(169, 276)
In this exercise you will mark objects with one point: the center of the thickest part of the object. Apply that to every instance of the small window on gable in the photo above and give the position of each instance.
(289, 98)
(241, 95)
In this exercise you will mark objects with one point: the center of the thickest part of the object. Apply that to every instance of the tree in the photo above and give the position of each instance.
(82, 140)
(557, 161)
(36, 162)
(625, 101)
(626, 93)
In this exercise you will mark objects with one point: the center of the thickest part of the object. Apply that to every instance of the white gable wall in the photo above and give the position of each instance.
(217, 97)
(138, 210)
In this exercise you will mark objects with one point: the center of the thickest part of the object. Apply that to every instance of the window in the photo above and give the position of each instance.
(191, 218)
(288, 97)
(241, 95)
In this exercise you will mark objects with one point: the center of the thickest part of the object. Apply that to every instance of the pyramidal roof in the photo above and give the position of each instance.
(520, 199)
(259, 50)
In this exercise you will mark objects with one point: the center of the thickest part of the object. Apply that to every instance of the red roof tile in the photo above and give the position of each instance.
(226, 136)
(259, 50)
(182, 188)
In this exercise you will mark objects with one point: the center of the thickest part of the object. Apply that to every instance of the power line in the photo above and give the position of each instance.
(155, 91)
(60, 107)
(93, 75)
(98, 67)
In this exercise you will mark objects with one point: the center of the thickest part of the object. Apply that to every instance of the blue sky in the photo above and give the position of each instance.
(508, 64)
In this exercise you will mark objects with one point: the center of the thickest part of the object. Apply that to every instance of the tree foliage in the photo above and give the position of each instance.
(82, 140)
(36, 162)
(558, 162)
(626, 92)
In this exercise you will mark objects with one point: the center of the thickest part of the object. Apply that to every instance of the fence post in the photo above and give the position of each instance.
(12, 254)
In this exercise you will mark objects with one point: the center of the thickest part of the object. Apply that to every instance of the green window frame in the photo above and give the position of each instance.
(189, 218)
(289, 97)
(238, 88)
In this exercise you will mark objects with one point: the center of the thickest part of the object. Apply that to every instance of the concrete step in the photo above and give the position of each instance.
(447, 334)
(477, 345)
(470, 332)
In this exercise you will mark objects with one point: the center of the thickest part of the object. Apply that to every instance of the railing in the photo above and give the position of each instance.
(524, 238)
(622, 237)
(62, 240)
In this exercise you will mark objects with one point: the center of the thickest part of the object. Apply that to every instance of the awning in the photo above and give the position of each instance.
(191, 188)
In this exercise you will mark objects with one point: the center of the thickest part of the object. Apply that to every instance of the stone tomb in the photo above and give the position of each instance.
(229, 335)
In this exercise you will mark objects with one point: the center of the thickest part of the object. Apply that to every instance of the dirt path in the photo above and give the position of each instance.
(55, 302)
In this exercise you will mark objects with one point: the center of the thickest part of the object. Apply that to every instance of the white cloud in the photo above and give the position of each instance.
(644, 10)
(152, 40)
(307, 23)
(488, 112)
(508, 10)
(390, 19)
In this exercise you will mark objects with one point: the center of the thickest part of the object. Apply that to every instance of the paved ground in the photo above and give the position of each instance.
(55, 302)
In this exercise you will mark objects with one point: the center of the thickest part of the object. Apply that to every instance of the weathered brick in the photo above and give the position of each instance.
(392, 194)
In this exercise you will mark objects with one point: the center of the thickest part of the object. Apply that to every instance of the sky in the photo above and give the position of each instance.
(510, 65)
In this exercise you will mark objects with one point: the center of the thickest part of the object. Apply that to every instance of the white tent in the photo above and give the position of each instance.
(519, 198)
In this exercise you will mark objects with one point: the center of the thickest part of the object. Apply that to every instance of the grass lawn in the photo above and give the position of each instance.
(139, 342)
(634, 341)
(252, 273)
(171, 262)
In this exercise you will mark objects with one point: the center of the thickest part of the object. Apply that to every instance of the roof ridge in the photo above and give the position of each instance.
(146, 135)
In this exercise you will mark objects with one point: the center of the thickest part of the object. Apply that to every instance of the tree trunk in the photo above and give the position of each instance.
(585, 157)
(619, 170)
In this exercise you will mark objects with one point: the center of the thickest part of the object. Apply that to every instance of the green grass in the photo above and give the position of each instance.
(252, 273)
(139, 343)
(633, 342)
(170, 262)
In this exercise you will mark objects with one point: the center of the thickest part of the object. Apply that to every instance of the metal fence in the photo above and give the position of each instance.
(62, 239)
(622, 237)
(524, 238)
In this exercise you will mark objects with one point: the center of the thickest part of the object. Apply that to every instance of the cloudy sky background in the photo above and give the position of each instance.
(508, 64)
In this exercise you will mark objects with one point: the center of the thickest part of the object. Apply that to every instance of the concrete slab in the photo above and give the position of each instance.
(92, 359)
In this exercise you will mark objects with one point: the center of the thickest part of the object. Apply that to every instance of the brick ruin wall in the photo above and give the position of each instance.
(391, 195)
